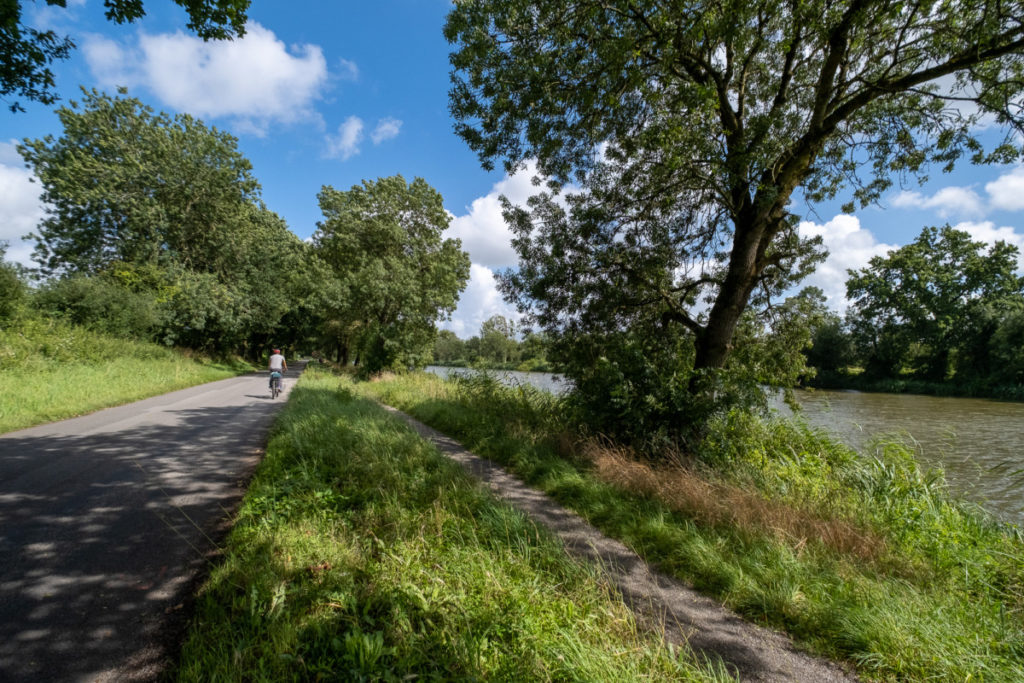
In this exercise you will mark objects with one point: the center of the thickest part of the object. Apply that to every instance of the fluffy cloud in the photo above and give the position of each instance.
(483, 231)
(350, 135)
(1007, 191)
(255, 81)
(850, 247)
(20, 208)
(479, 302)
(949, 201)
(346, 143)
(386, 129)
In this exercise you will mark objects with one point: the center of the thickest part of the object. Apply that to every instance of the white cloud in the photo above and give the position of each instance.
(346, 143)
(255, 80)
(949, 201)
(348, 70)
(1007, 191)
(20, 208)
(987, 232)
(479, 302)
(483, 231)
(386, 129)
(850, 247)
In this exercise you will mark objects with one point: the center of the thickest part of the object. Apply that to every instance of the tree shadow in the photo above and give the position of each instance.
(102, 536)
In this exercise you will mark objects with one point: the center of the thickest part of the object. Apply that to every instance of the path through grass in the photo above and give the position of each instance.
(860, 557)
(361, 553)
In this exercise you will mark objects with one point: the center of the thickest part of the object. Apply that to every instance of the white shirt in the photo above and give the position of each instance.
(276, 361)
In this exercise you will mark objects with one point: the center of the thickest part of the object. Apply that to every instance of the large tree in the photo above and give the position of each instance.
(928, 302)
(383, 239)
(26, 53)
(692, 124)
(164, 207)
(127, 184)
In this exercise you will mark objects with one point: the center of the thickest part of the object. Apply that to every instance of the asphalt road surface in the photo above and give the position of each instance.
(107, 520)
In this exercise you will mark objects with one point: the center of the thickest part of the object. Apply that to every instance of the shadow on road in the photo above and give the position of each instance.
(101, 536)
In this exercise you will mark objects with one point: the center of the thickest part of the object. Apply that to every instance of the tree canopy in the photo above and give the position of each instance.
(125, 183)
(931, 300)
(155, 226)
(383, 240)
(26, 53)
(691, 125)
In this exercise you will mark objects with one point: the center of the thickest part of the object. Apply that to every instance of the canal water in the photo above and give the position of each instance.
(979, 442)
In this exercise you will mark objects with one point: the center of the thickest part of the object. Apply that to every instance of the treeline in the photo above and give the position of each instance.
(944, 314)
(156, 230)
(496, 347)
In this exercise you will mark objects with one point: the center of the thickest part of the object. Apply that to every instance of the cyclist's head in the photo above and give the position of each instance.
(277, 350)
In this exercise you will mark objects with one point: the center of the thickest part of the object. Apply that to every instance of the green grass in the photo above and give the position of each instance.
(941, 597)
(53, 370)
(361, 553)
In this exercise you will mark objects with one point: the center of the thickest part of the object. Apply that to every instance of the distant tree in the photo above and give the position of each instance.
(1006, 346)
(497, 340)
(448, 347)
(26, 53)
(924, 303)
(383, 241)
(691, 126)
(12, 287)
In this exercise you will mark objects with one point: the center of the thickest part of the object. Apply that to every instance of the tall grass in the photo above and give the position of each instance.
(361, 553)
(52, 370)
(863, 557)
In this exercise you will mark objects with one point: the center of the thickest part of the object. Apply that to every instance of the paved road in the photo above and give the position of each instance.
(106, 521)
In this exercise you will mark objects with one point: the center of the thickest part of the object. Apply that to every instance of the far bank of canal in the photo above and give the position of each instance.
(979, 442)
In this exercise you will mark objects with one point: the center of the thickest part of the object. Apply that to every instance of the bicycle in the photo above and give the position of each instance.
(275, 384)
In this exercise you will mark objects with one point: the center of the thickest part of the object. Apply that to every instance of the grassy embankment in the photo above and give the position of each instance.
(52, 370)
(361, 553)
(861, 557)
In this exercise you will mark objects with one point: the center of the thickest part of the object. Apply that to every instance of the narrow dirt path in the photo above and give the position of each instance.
(108, 520)
(753, 652)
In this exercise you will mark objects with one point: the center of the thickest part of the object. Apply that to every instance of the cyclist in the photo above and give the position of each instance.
(277, 363)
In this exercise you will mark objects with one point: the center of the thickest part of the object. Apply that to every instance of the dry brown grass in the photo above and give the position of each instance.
(719, 503)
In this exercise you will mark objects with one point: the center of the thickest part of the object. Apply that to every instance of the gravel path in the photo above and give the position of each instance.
(753, 652)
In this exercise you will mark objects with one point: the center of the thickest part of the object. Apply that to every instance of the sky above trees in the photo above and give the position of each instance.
(325, 93)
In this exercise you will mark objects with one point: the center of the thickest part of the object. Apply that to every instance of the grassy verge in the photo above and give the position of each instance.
(860, 557)
(53, 371)
(360, 553)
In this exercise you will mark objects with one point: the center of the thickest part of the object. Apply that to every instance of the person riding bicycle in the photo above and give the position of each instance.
(277, 364)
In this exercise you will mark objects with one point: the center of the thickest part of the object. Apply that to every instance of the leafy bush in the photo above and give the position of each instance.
(101, 305)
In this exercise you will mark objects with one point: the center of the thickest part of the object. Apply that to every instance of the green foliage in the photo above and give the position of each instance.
(100, 304)
(126, 184)
(12, 287)
(690, 127)
(26, 53)
(1007, 349)
(361, 553)
(941, 599)
(166, 209)
(382, 240)
(930, 305)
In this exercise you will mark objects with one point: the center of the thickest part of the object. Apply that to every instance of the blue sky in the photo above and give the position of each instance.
(329, 93)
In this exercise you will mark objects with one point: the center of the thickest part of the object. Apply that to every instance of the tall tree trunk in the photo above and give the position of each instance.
(714, 343)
